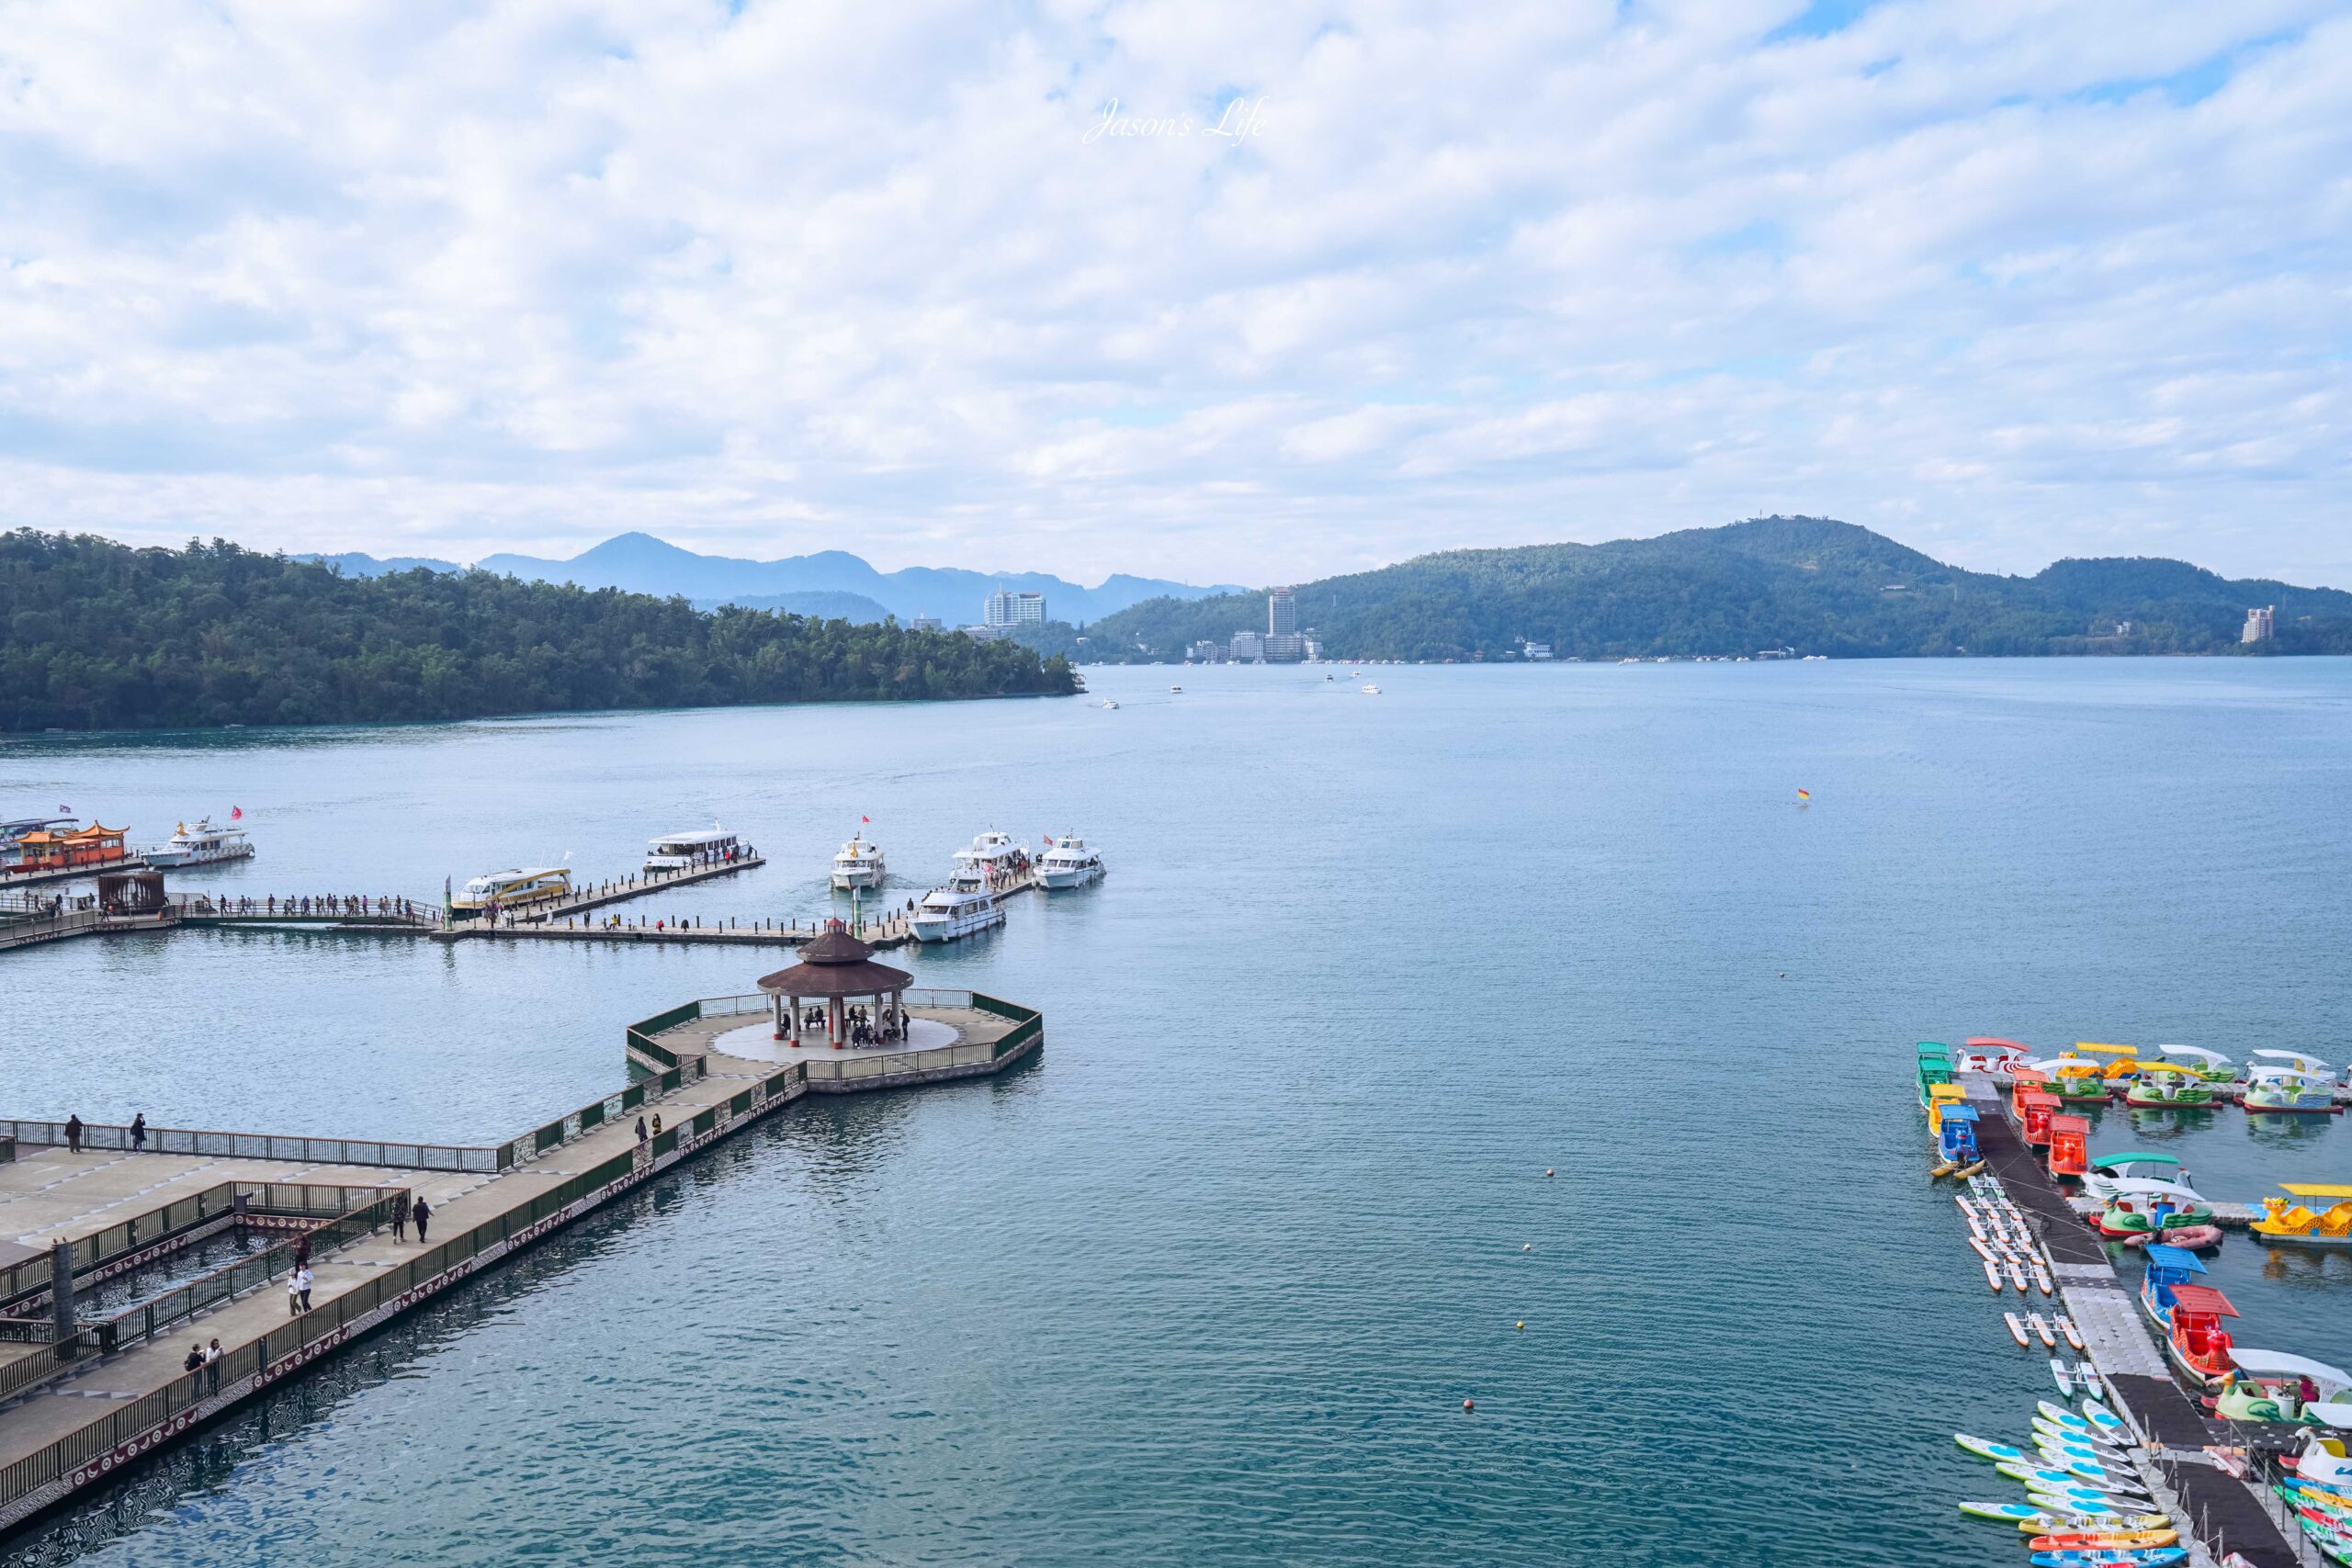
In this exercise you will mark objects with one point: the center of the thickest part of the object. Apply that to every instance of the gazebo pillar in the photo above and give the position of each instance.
(834, 1029)
(778, 999)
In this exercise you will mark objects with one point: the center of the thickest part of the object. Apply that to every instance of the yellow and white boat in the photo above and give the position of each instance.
(498, 892)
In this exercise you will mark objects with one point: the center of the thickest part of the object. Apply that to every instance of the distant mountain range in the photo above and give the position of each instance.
(831, 583)
(1809, 583)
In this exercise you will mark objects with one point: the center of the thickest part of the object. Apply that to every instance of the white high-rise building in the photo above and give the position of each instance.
(1006, 608)
(2261, 624)
(1282, 613)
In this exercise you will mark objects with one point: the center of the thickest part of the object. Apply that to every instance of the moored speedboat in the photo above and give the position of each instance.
(859, 864)
(202, 845)
(1068, 862)
(947, 913)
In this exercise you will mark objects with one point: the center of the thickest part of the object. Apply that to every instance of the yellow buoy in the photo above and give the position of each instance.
(1520, 1324)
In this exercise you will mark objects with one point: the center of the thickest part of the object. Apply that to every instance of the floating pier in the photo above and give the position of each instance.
(2211, 1507)
(82, 1397)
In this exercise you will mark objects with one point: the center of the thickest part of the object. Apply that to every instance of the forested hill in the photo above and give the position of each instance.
(94, 635)
(1805, 582)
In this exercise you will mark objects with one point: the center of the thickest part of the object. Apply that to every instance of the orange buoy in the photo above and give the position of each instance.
(1469, 1404)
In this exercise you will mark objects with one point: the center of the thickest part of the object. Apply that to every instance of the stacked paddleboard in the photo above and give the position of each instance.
(2002, 1241)
(2083, 1502)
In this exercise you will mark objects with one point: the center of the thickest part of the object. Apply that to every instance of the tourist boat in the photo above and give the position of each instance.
(47, 850)
(2076, 1077)
(2128, 1165)
(202, 845)
(2277, 1086)
(1990, 1053)
(683, 852)
(1110, 702)
(2195, 1339)
(994, 864)
(1369, 689)
(1068, 862)
(947, 913)
(2035, 1108)
(2210, 1066)
(2145, 1206)
(859, 864)
(2070, 1141)
(2264, 1385)
(2297, 1224)
(2169, 1269)
(1934, 1070)
(2164, 1087)
(496, 891)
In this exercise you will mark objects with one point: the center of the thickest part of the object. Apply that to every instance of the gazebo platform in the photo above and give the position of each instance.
(951, 1034)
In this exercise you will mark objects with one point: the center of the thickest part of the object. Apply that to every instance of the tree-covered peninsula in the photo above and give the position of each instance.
(94, 635)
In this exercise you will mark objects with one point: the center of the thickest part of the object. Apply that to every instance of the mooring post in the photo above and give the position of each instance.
(61, 1291)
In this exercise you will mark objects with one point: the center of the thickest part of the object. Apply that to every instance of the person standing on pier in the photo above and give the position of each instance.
(422, 1211)
(294, 1292)
(139, 1133)
(212, 1354)
(73, 1133)
(641, 1138)
(302, 1274)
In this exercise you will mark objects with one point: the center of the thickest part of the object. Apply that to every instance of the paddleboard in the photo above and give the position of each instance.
(2042, 1281)
(2102, 1541)
(2102, 1418)
(2016, 1276)
(2041, 1329)
(1992, 1275)
(2073, 1336)
(2064, 1379)
(1983, 1251)
(2147, 1557)
(2016, 1329)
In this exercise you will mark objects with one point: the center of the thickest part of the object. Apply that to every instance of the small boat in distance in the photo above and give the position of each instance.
(1068, 862)
(1112, 703)
(1175, 688)
(682, 852)
(859, 864)
(202, 845)
(946, 913)
(497, 891)
(1371, 689)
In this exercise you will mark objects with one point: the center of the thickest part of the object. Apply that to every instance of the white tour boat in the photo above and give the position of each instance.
(683, 852)
(502, 890)
(202, 845)
(946, 913)
(993, 863)
(1067, 863)
(859, 864)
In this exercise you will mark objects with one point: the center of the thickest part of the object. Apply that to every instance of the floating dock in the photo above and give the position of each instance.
(82, 1398)
(2210, 1506)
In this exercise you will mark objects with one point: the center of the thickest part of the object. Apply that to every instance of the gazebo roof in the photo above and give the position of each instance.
(835, 964)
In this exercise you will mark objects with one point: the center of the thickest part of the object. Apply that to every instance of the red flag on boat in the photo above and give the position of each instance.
(865, 818)
(235, 812)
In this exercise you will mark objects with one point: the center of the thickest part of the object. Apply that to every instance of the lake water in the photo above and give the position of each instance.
(1210, 1280)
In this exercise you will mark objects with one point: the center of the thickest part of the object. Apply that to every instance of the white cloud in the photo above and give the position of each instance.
(2010, 280)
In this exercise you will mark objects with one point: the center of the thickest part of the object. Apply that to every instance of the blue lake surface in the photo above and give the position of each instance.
(1210, 1281)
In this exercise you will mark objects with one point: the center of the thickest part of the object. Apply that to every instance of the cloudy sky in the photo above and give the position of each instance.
(1332, 283)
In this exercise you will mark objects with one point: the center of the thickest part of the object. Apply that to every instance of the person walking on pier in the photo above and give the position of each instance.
(302, 1276)
(73, 1133)
(641, 1138)
(400, 1216)
(294, 1292)
(422, 1211)
(139, 1133)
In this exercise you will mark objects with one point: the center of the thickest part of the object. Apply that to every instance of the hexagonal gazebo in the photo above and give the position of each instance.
(834, 969)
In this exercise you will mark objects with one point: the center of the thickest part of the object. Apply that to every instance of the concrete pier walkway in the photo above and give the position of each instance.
(75, 1413)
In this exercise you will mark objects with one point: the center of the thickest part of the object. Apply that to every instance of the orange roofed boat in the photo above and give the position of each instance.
(2198, 1344)
(90, 846)
(2035, 1108)
(2070, 1153)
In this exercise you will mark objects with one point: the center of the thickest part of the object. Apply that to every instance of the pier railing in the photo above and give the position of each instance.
(263, 1145)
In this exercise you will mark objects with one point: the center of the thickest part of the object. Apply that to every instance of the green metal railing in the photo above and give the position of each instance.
(262, 1145)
